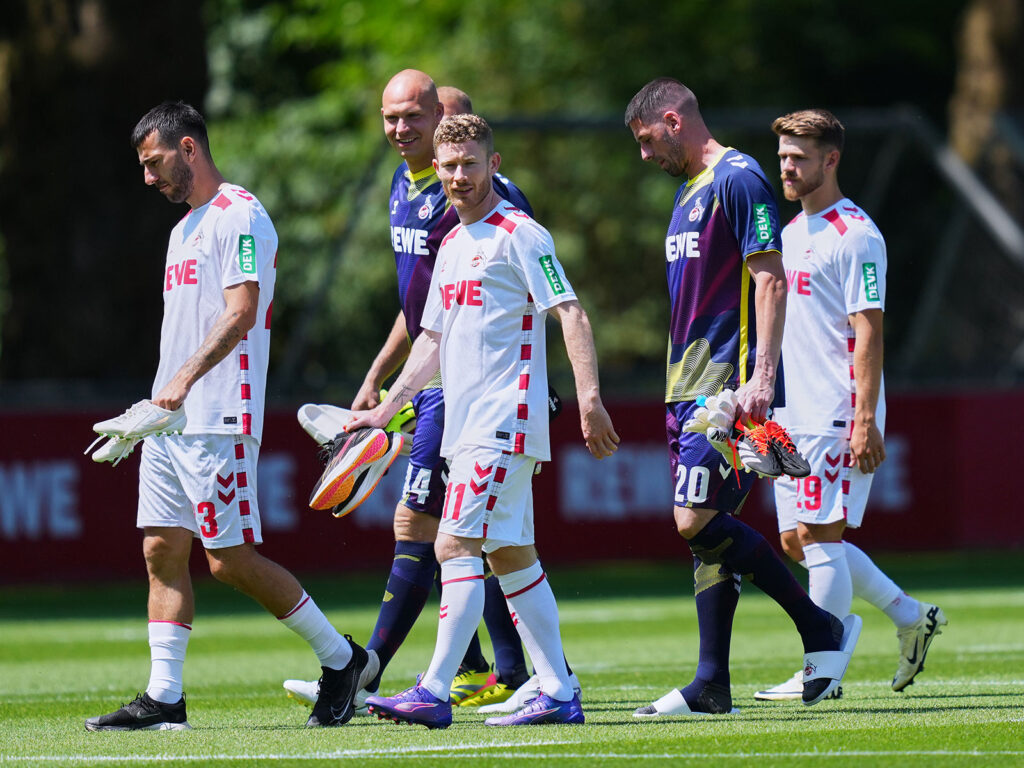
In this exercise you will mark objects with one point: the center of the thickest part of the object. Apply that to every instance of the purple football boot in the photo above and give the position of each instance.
(414, 705)
(543, 710)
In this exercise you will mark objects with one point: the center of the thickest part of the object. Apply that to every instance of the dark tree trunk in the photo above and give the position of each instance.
(82, 240)
(989, 82)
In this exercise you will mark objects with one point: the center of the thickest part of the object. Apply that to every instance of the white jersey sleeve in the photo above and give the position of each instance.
(246, 249)
(861, 265)
(532, 254)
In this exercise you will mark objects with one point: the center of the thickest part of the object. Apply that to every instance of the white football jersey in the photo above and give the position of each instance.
(228, 241)
(492, 284)
(835, 266)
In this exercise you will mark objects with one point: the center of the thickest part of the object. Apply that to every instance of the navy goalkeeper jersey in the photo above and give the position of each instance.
(721, 217)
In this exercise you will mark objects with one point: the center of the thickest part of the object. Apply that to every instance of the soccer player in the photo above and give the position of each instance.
(454, 101)
(727, 291)
(420, 218)
(495, 279)
(218, 287)
(835, 263)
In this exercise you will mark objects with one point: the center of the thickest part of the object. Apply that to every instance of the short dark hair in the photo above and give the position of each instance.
(653, 99)
(172, 121)
(818, 124)
(458, 129)
(457, 97)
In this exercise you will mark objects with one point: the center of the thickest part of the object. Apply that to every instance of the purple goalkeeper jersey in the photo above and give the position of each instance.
(720, 217)
(420, 219)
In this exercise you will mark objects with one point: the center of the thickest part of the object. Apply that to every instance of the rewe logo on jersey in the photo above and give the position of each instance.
(182, 273)
(465, 293)
(247, 254)
(409, 240)
(683, 244)
(871, 281)
(799, 282)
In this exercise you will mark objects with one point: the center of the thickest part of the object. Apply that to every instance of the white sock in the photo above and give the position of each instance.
(829, 583)
(535, 613)
(168, 641)
(462, 607)
(308, 622)
(870, 583)
(903, 610)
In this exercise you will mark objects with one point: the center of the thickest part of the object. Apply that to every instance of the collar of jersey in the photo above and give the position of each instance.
(703, 178)
(420, 181)
(426, 173)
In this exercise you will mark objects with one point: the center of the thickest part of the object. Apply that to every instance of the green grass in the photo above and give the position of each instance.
(73, 652)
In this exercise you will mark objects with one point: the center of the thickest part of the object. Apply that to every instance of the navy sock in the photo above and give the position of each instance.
(744, 551)
(508, 648)
(474, 657)
(716, 591)
(412, 575)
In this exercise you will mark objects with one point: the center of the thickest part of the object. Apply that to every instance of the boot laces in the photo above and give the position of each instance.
(758, 437)
(780, 436)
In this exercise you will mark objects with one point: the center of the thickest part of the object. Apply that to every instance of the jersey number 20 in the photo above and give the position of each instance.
(691, 484)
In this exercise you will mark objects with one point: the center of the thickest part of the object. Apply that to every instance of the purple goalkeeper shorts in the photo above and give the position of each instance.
(701, 476)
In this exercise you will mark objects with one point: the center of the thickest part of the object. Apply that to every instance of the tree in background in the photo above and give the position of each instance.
(293, 97)
(302, 82)
(988, 82)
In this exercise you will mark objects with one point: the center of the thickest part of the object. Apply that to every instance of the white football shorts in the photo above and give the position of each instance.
(833, 491)
(490, 497)
(205, 483)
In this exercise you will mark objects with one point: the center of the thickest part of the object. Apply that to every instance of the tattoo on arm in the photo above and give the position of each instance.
(404, 394)
(222, 338)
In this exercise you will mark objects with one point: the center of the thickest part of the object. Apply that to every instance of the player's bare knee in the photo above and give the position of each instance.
(820, 534)
(448, 547)
(220, 570)
(511, 559)
(165, 557)
(790, 542)
(410, 525)
(690, 521)
(231, 565)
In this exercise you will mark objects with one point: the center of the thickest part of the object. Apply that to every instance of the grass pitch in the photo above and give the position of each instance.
(630, 633)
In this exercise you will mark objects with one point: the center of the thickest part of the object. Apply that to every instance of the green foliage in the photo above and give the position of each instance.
(294, 100)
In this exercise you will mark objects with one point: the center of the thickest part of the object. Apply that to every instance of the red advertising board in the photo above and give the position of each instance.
(948, 483)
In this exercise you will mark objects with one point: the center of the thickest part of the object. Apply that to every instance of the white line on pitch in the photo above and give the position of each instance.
(469, 751)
